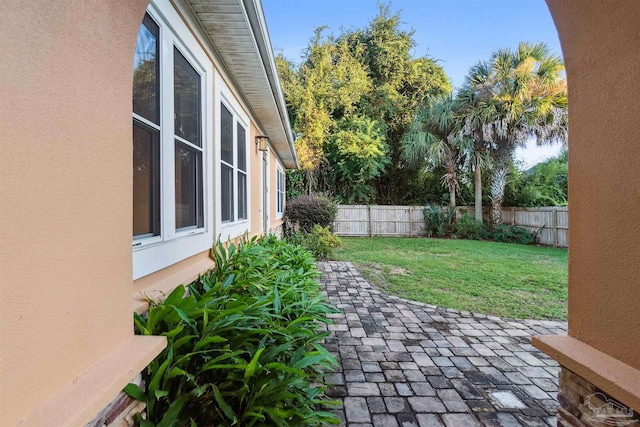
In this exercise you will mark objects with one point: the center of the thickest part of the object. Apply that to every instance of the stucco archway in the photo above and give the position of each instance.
(601, 45)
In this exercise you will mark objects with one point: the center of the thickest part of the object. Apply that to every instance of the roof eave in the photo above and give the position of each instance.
(238, 33)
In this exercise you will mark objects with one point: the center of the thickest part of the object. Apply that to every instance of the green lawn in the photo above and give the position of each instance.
(484, 277)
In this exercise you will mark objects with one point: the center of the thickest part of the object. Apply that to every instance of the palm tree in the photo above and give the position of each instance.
(435, 135)
(475, 113)
(517, 95)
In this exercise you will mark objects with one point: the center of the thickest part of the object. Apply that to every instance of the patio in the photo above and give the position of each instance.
(404, 363)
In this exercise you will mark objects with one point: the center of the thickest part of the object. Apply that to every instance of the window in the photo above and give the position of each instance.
(146, 132)
(233, 167)
(171, 143)
(188, 144)
(280, 192)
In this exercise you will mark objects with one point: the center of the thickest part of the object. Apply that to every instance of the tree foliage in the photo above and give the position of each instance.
(518, 94)
(356, 153)
(351, 100)
(435, 137)
(543, 185)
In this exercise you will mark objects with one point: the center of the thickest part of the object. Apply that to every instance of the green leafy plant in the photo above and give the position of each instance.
(438, 222)
(244, 346)
(467, 227)
(321, 242)
(304, 212)
(357, 155)
(513, 234)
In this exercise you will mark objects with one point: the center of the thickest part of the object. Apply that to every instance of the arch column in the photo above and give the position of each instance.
(601, 45)
(67, 345)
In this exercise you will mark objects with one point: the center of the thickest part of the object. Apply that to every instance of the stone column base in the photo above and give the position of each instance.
(584, 405)
(121, 411)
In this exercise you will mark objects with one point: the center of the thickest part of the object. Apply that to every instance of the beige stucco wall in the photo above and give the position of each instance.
(601, 46)
(274, 221)
(65, 210)
(255, 165)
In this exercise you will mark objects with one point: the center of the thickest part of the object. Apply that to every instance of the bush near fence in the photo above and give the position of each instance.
(408, 221)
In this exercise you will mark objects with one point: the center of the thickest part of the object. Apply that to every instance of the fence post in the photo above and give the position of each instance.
(370, 223)
(513, 216)
(410, 221)
(555, 228)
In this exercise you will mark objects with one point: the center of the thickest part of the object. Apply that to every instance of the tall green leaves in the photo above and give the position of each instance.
(244, 347)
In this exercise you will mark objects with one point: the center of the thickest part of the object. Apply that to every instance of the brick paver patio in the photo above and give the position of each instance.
(404, 363)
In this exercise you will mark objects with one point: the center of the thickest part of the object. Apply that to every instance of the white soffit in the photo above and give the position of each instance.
(238, 32)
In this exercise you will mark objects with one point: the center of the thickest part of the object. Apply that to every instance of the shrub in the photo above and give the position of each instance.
(304, 212)
(467, 227)
(244, 347)
(513, 234)
(438, 222)
(321, 242)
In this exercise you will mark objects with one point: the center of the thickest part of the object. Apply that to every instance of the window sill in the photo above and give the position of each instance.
(78, 402)
(165, 286)
(148, 260)
(614, 377)
(231, 230)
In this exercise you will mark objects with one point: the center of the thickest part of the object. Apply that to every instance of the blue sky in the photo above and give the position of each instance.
(457, 33)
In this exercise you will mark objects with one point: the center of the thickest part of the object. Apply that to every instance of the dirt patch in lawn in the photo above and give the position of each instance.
(399, 271)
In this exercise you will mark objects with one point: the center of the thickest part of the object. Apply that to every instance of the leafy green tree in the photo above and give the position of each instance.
(543, 185)
(361, 74)
(517, 95)
(328, 84)
(357, 155)
(400, 85)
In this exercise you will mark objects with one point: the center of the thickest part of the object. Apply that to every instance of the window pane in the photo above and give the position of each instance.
(188, 187)
(227, 193)
(242, 148)
(242, 195)
(226, 131)
(146, 181)
(146, 71)
(186, 99)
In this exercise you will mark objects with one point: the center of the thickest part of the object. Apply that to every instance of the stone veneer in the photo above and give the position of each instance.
(120, 412)
(582, 404)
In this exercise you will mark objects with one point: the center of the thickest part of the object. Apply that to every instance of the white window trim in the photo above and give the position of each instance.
(266, 199)
(158, 252)
(223, 95)
(280, 169)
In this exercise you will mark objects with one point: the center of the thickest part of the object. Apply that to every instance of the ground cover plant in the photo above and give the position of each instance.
(484, 277)
(244, 347)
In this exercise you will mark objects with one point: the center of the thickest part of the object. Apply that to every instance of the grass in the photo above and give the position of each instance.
(501, 279)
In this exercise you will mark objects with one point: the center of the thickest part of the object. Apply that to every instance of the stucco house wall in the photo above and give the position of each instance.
(67, 266)
(601, 46)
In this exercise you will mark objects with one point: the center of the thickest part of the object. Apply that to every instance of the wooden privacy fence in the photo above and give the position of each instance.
(408, 221)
